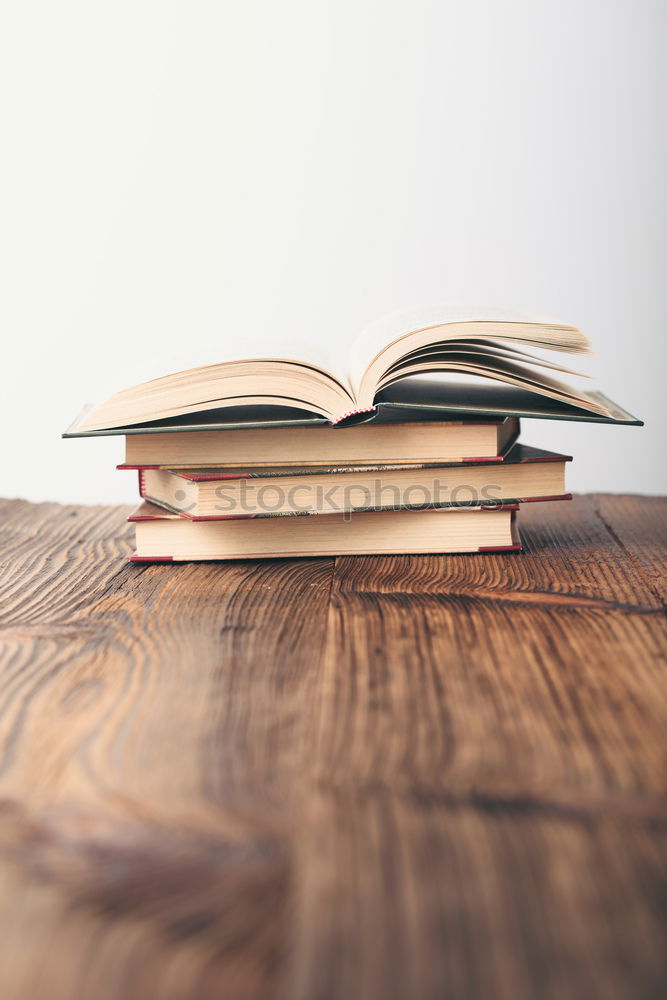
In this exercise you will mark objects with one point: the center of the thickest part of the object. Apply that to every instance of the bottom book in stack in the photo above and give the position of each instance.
(162, 536)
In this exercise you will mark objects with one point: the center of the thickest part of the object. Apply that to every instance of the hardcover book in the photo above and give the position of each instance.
(527, 474)
(335, 386)
(166, 537)
(371, 443)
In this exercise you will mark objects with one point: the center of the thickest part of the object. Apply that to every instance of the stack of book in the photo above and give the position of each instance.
(271, 457)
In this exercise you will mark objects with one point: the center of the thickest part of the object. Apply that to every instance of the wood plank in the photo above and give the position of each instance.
(55, 559)
(488, 809)
(571, 557)
(412, 777)
(412, 896)
(151, 724)
(639, 525)
(499, 702)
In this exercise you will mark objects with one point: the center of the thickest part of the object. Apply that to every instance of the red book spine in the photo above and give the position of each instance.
(142, 559)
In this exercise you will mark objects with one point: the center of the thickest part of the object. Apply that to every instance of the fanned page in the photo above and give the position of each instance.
(305, 381)
(465, 340)
(321, 377)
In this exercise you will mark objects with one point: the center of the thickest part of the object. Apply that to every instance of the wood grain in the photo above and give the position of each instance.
(364, 777)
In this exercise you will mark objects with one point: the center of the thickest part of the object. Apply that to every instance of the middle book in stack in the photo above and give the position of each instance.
(400, 487)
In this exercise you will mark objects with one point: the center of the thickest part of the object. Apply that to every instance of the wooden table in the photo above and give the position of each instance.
(412, 777)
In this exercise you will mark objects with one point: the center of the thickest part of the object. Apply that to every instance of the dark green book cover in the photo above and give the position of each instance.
(411, 400)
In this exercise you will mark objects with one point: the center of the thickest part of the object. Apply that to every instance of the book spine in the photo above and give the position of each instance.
(212, 477)
(352, 413)
(142, 559)
(348, 511)
(215, 517)
(559, 496)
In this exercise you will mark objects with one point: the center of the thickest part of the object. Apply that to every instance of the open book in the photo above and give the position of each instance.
(492, 343)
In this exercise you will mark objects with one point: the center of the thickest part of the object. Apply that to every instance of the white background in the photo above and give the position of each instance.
(177, 174)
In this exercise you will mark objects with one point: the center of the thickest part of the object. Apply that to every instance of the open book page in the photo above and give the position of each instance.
(232, 383)
(423, 334)
(195, 370)
(243, 334)
(482, 349)
(501, 369)
(307, 373)
(381, 333)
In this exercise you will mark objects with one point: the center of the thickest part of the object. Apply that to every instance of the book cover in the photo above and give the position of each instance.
(368, 533)
(409, 401)
(213, 494)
